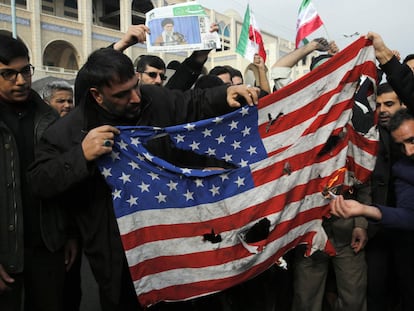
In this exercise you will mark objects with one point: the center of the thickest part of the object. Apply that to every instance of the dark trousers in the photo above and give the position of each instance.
(12, 300)
(44, 276)
(40, 286)
(72, 288)
(271, 290)
(390, 260)
(128, 300)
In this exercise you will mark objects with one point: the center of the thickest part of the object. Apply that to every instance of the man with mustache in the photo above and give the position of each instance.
(65, 167)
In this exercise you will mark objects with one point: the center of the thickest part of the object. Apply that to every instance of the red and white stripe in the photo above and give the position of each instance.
(167, 257)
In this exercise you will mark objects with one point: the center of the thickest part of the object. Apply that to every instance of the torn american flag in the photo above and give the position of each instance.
(189, 232)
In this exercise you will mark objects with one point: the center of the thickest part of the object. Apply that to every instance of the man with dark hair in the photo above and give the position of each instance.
(167, 21)
(223, 73)
(208, 81)
(32, 236)
(388, 103)
(151, 70)
(65, 166)
(134, 34)
(168, 36)
(236, 75)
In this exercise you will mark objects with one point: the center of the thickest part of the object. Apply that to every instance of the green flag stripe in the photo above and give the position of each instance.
(304, 4)
(244, 35)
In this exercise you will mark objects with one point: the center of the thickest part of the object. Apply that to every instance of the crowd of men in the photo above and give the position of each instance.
(54, 203)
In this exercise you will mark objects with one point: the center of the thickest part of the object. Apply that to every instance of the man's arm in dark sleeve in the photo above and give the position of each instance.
(401, 78)
(188, 72)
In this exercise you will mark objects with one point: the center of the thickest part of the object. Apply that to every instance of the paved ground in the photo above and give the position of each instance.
(90, 296)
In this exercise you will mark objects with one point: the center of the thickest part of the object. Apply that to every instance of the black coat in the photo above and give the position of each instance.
(401, 78)
(11, 203)
(382, 182)
(60, 169)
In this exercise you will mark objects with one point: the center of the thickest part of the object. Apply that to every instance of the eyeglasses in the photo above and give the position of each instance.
(11, 74)
(153, 75)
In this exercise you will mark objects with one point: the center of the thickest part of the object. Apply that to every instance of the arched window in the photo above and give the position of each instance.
(60, 54)
(224, 32)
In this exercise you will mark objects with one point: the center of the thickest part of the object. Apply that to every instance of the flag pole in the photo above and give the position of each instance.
(327, 33)
(13, 14)
(250, 13)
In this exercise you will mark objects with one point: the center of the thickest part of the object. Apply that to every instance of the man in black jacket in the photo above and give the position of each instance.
(32, 236)
(65, 164)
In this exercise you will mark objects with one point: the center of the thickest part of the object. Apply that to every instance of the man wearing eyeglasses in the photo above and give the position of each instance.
(32, 259)
(151, 70)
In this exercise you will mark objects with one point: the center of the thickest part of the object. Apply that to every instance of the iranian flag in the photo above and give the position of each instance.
(308, 22)
(250, 41)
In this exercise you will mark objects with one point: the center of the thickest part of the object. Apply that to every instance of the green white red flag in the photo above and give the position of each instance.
(308, 22)
(250, 40)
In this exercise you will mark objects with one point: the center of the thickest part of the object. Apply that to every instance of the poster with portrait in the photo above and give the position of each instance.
(180, 27)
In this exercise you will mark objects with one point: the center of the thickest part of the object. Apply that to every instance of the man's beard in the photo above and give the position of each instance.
(384, 123)
(124, 113)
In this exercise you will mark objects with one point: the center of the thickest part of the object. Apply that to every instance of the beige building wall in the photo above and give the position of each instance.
(59, 45)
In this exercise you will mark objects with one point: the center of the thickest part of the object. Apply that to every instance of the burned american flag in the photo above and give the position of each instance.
(192, 231)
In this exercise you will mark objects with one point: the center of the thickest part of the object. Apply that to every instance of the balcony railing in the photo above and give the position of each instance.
(58, 70)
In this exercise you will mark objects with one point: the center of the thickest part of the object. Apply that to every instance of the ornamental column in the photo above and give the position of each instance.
(125, 19)
(85, 17)
(34, 6)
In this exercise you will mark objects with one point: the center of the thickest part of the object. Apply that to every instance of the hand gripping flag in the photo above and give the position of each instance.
(308, 22)
(250, 40)
(189, 232)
